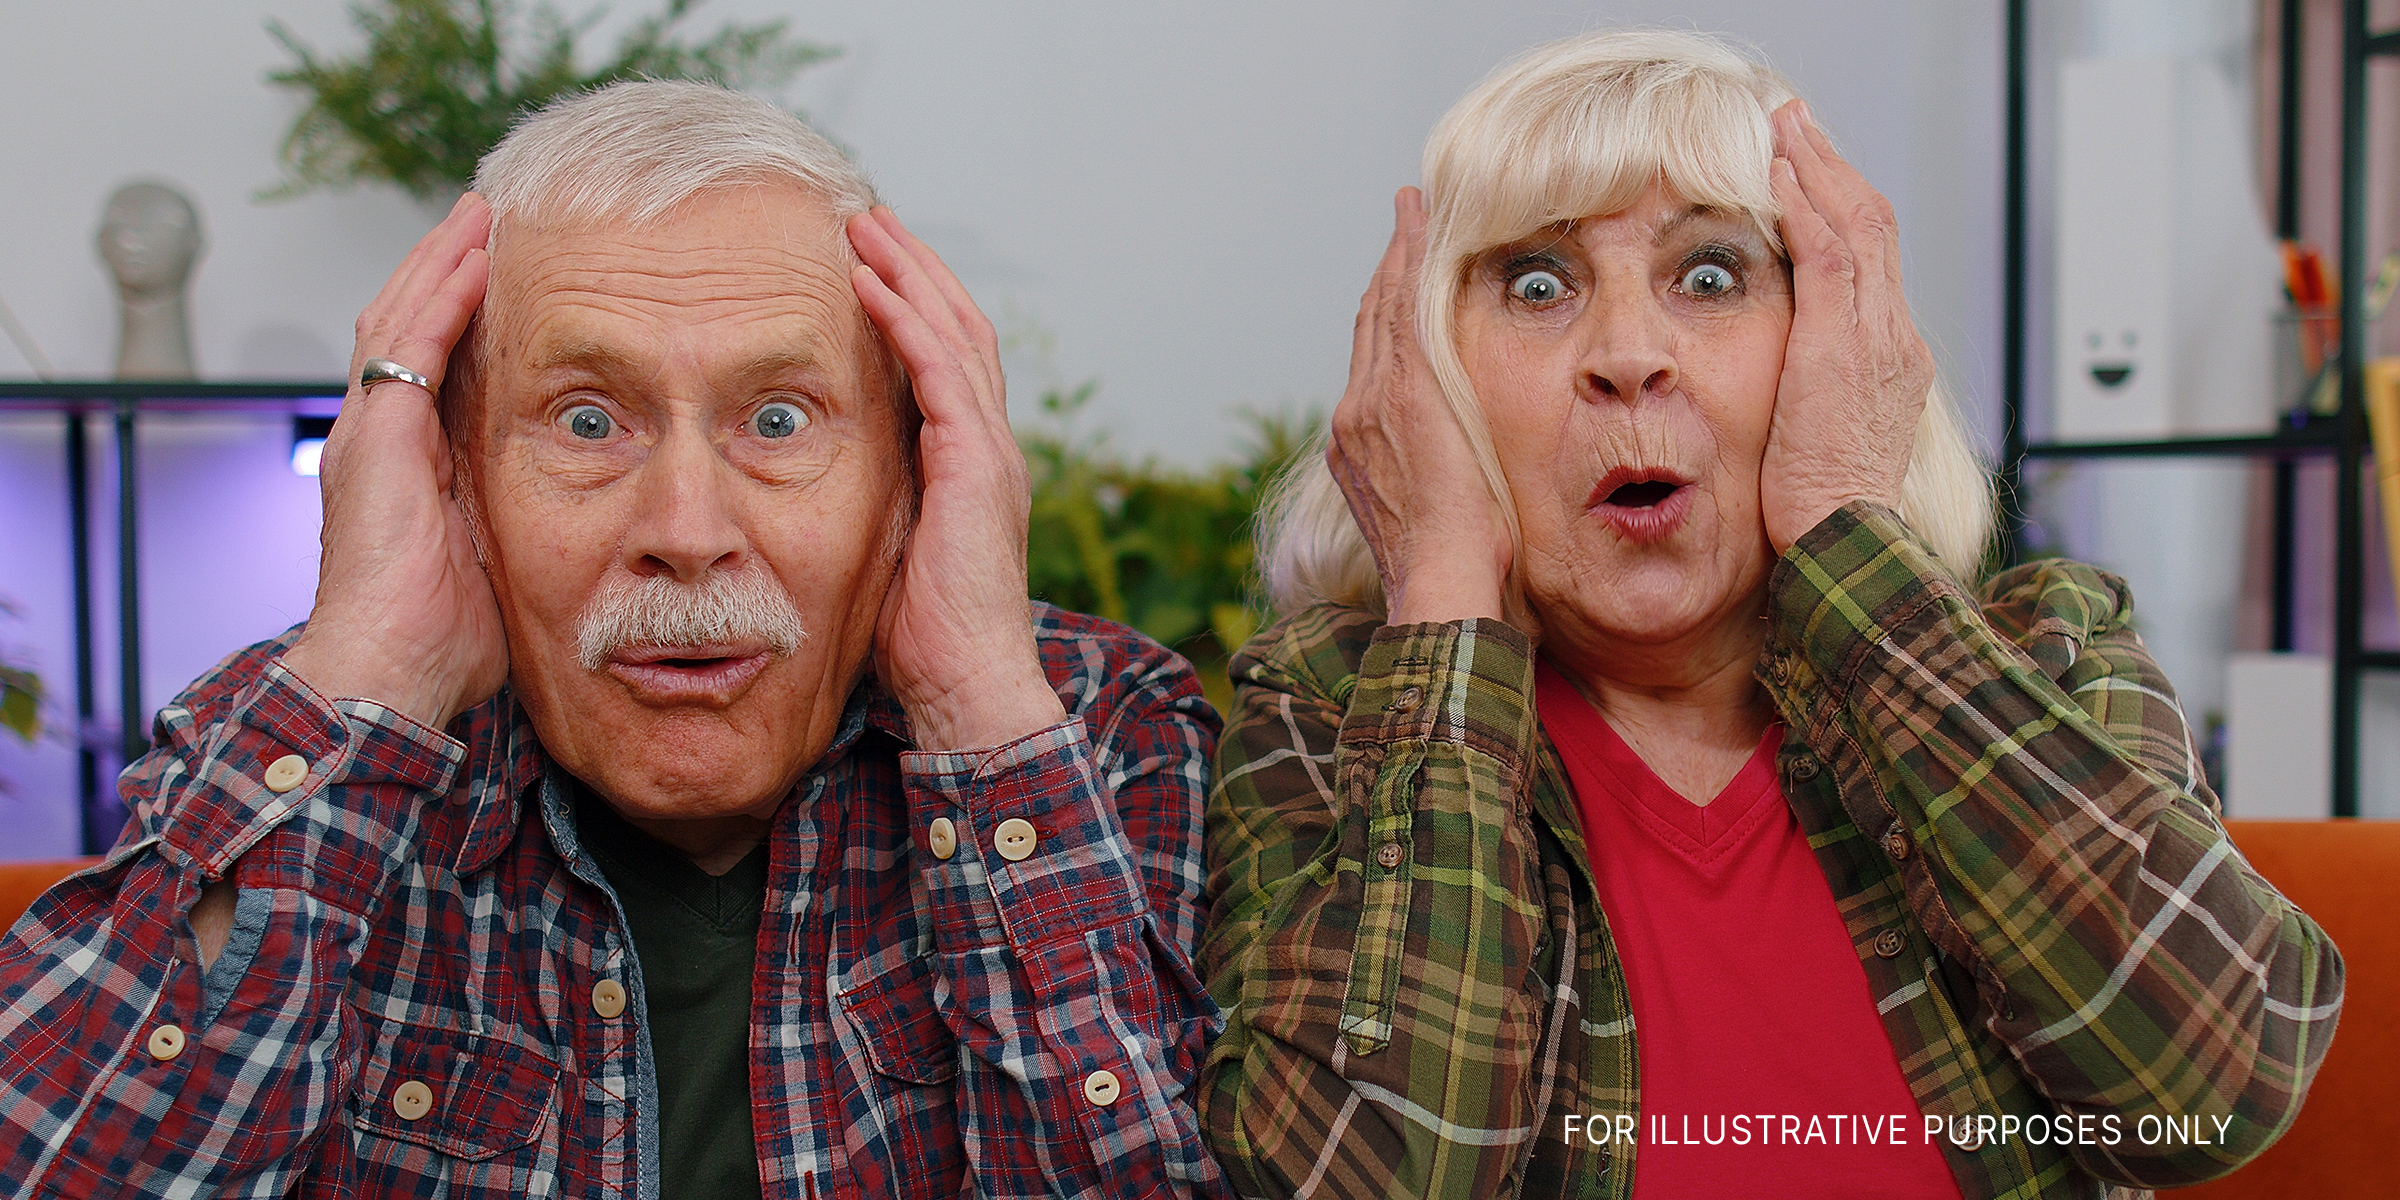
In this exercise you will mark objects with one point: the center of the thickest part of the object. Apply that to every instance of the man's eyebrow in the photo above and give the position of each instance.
(592, 355)
(602, 359)
(781, 362)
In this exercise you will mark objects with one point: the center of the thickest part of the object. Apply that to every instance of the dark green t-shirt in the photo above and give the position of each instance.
(696, 936)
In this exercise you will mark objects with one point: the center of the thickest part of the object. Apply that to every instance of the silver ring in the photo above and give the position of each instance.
(377, 370)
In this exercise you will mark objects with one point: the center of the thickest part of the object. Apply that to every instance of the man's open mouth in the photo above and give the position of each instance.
(710, 676)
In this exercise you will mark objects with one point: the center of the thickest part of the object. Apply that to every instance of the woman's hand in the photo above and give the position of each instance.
(1440, 542)
(404, 614)
(1856, 372)
(954, 641)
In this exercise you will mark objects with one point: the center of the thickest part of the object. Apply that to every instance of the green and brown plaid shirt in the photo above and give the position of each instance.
(2001, 790)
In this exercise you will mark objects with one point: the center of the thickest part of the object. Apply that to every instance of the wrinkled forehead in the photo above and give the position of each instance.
(730, 261)
(733, 283)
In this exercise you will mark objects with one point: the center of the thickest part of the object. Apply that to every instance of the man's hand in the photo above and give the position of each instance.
(955, 638)
(1440, 542)
(1855, 372)
(404, 615)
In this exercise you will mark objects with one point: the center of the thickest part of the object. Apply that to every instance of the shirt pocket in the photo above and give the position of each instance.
(458, 1094)
(901, 1026)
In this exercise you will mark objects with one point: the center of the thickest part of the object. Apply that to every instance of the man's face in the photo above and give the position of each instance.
(696, 405)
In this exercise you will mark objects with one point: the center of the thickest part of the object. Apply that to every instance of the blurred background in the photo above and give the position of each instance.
(1169, 211)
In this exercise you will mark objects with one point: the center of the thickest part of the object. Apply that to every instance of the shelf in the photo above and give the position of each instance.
(2314, 440)
(2339, 438)
(97, 395)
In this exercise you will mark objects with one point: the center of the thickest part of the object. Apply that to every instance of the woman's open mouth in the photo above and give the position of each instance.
(1643, 505)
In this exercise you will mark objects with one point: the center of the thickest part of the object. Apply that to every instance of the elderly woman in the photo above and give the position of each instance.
(1633, 800)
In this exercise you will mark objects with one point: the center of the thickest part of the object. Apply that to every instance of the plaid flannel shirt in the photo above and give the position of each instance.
(430, 991)
(1420, 987)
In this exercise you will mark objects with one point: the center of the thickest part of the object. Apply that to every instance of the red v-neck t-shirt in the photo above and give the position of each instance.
(1765, 1070)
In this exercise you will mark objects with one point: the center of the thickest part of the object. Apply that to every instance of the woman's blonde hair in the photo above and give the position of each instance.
(1567, 130)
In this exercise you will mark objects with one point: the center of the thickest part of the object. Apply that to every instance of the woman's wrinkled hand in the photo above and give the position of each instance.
(1441, 544)
(1856, 372)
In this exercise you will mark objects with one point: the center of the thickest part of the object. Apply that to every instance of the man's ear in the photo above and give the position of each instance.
(459, 402)
(460, 407)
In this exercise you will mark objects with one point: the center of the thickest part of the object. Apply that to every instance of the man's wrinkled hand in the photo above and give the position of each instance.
(404, 614)
(955, 638)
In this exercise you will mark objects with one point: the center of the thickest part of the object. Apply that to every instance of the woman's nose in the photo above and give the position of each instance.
(1626, 347)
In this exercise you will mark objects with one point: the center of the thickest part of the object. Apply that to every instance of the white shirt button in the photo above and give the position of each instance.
(412, 1100)
(286, 773)
(166, 1042)
(942, 837)
(1101, 1088)
(1015, 838)
(608, 998)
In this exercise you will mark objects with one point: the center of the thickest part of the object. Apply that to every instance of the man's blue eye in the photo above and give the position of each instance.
(779, 420)
(586, 421)
(1708, 281)
(1537, 287)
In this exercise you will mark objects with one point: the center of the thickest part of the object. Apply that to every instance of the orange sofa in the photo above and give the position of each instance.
(2346, 874)
(20, 882)
(2346, 1143)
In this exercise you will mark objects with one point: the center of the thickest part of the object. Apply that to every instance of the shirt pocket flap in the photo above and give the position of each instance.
(453, 1092)
(902, 1026)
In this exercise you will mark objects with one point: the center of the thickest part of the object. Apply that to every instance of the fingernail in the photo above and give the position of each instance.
(1807, 115)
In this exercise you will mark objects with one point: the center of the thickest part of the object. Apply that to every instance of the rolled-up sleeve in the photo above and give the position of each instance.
(2123, 951)
(1066, 910)
(130, 1069)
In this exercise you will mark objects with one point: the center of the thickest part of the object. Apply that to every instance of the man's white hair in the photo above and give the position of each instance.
(629, 154)
(634, 150)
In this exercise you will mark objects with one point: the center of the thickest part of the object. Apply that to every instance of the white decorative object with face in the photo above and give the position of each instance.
(2116, 171)
(2166, 276)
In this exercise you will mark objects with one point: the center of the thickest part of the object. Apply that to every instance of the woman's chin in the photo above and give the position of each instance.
(1648, 601)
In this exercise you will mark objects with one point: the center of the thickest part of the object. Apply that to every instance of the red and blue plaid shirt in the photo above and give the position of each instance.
(430, 990)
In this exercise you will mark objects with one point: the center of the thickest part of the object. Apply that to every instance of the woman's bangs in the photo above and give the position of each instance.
(1707, 139)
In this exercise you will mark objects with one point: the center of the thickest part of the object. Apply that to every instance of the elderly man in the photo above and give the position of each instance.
(670, 793)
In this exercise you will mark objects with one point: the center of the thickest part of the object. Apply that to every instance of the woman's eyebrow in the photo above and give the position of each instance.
(1698, 212)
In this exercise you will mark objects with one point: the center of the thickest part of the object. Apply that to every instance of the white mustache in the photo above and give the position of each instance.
(655, 610)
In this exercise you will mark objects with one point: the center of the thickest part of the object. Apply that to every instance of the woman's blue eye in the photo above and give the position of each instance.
(1708, 281)
(1537, 287)
(586, 421)
(779, 420)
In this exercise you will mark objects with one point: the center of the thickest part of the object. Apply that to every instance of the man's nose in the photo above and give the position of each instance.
(685, 524)
(1627, 346)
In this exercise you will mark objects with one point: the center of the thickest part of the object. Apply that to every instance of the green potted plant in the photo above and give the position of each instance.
(20, 692)
(440, 81)
(1166, 550)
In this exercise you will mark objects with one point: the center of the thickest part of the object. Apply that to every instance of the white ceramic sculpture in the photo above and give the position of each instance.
(150, 236)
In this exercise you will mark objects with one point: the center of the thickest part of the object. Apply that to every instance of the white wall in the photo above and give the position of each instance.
(1181, 202)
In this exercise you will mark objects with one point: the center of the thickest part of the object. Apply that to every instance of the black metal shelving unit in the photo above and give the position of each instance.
(123, 401)
(2343, 436)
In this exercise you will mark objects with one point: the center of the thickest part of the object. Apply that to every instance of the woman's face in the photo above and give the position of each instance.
(1627, 366)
